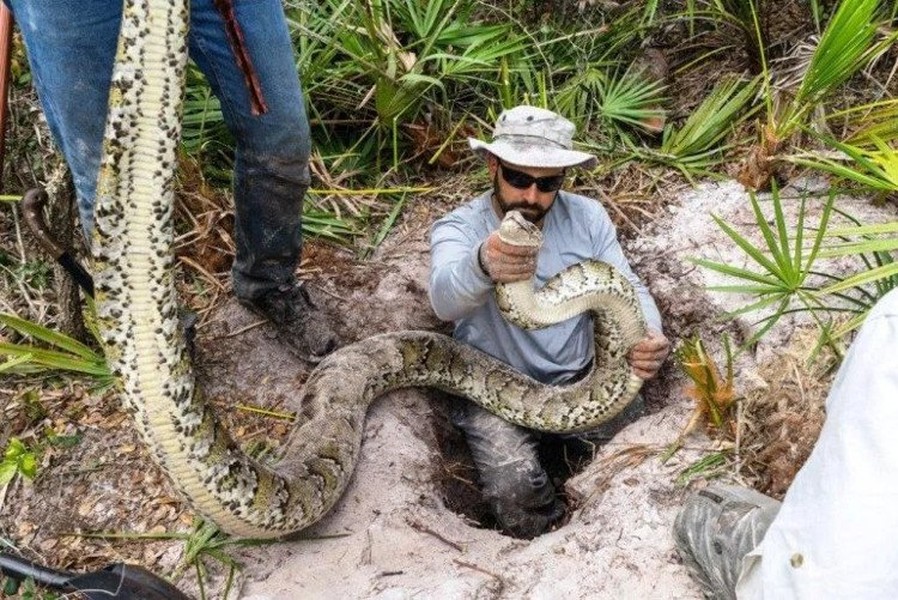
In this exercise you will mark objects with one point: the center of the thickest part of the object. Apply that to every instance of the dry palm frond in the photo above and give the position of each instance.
(788, 72)
(714, 394)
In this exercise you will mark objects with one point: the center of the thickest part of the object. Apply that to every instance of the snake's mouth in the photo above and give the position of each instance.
(518, 230)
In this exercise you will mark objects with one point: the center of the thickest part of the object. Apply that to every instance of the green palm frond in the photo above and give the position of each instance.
(875, 245)
(202, 121)
(580, 95)
(782, 267)
(713, 119)
(876, 169)
(696, 146)
(887, 271)
(413, 51)
(868, 121)
(847, 45)
(844, 48)
(630, 98)
(778, 277)
(56, 352)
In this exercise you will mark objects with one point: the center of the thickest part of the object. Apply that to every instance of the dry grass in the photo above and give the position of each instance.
(204, 246)
(779, 424)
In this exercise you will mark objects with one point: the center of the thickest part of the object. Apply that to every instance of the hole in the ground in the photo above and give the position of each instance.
(457, 477)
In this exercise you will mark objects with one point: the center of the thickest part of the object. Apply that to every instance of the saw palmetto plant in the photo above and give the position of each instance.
(875, 246)
(698, 144)
(848, 43)
(785, 275)
(867, 122)
(403, 55)
(875, 168)
(780, 276)
(618, 101)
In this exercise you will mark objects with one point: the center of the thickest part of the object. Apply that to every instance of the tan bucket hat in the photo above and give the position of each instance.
(528, 136)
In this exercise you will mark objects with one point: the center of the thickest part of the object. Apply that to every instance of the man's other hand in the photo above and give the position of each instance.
(647, 356)
(506, 263)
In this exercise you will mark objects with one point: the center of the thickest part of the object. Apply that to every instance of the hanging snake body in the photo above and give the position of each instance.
(137, 317)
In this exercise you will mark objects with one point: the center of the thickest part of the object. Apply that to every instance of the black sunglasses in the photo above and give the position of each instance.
(523, 181)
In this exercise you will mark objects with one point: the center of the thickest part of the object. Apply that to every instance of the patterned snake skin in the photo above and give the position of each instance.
(137, 314)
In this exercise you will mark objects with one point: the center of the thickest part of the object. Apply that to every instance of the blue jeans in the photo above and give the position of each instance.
(71, 48)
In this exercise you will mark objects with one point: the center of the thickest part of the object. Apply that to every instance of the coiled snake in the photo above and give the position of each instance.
(137, 316)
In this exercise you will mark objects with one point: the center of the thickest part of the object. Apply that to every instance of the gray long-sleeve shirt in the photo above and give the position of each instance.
(575, 229)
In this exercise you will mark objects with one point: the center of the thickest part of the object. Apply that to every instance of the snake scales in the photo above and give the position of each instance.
(137, 317)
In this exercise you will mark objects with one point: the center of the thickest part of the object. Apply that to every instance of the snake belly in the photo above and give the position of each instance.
(137, 317)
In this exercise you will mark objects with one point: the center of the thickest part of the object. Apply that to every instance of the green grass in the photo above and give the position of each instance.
(708, 467)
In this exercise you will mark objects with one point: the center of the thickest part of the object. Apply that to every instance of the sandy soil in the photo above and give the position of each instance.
(395, 534)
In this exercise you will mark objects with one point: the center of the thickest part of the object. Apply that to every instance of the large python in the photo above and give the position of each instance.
(137, 317)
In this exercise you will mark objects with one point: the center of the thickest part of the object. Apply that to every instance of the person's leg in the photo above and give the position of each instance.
(583, 445)
(714, 531)
(71, 50)
(271, 164)
(513, 480)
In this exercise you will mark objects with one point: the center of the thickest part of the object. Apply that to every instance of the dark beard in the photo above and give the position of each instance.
(532, 212)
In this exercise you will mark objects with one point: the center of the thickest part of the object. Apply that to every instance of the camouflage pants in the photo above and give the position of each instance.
(714, 531)
(513, 480)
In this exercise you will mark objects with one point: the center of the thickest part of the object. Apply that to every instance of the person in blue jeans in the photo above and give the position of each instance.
(71, 49)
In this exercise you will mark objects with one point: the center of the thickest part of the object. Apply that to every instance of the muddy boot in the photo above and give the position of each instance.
(300, 324)
(522, 498)
(716, 528)
(528, 518)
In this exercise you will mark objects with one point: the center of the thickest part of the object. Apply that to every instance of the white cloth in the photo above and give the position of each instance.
(836, 535)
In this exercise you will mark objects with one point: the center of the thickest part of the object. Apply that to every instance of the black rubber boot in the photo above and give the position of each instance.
(300, 323)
